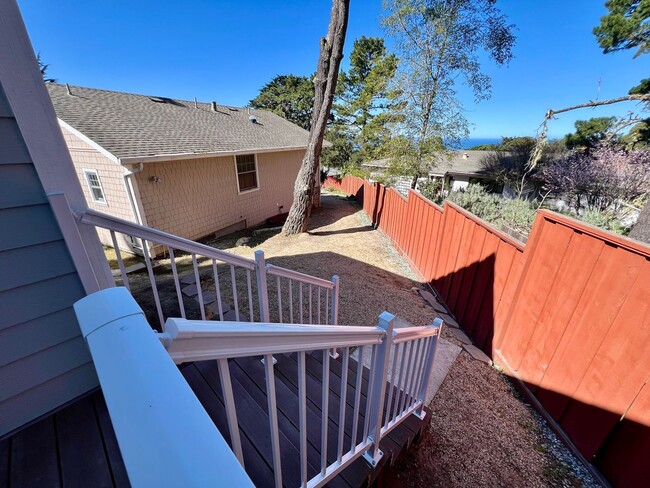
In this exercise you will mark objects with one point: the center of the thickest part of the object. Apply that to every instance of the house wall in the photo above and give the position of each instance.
(458, 182)
(111, 175)
(194, 198)
(44, 361)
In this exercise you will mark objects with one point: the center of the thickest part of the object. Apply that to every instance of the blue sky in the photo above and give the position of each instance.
(226, 51)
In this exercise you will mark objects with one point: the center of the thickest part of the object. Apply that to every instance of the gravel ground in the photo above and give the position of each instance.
(481, 433)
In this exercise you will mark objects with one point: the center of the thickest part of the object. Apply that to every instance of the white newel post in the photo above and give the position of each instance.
(378, 387)
(428, 367)
(334, 316)
(262, 288)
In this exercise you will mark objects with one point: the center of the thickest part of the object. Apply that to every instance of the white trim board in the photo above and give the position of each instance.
(88, 141)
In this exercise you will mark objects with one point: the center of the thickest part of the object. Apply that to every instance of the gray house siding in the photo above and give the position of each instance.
(44, 362)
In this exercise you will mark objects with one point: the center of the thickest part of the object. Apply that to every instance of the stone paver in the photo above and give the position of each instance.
(477, 354)
(213, 308)
(460, 335)
(207, 297)
(190, 291)
(188, 279)
(229, 316)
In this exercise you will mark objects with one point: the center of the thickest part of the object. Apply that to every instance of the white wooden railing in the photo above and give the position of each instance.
(388, 402)
(164, 432)
(302, 299)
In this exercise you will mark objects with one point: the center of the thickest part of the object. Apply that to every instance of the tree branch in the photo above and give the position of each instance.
(597, 103)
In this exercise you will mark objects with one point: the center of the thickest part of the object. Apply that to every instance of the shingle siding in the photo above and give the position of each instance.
(111, 175)
(197, 197)
(43, 361)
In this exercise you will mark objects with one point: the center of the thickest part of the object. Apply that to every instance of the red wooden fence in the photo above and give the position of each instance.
(568, 313)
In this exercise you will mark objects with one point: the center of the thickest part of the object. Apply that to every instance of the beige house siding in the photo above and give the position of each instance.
(194, 198)
(111, 175)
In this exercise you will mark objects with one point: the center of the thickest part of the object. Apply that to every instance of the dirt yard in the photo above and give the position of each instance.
(481, 433)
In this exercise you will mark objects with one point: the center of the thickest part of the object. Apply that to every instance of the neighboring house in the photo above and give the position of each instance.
(457, 171)
(187, 168)
(463, 168)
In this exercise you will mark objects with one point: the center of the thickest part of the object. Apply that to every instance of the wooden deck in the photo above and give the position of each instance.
(76, 447)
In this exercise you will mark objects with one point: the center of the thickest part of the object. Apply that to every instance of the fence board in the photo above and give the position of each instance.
(569, 312)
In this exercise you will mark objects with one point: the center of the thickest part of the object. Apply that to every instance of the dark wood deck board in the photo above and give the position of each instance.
(116, 463)
(256, 467)
(253, 420)
(82, 458)
(36, 442)
(77, 446)
(5, 460)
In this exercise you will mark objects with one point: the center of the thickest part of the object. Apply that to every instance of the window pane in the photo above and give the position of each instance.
(95, 187)
(247, 181)
(246, 172)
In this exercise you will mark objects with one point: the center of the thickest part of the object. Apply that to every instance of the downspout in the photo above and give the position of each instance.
(132, 200)
(131, 193)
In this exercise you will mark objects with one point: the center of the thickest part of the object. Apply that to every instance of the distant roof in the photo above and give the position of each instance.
(140, 126)
(462, 162)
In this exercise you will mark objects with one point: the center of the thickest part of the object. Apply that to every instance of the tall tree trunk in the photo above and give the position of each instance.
(641, 230)
(329, 61)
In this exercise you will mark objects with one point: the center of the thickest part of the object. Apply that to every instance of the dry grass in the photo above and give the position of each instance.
(481, 433)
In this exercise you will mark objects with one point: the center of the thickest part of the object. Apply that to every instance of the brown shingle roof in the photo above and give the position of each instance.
(130, 126)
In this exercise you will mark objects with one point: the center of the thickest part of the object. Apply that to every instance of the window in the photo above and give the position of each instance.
(246, 172)
(95, 186)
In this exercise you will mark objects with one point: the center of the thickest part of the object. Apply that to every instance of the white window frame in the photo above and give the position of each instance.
(257, 174)
(90, 187)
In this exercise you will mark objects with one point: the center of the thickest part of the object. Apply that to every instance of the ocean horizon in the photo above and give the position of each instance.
(478, 141)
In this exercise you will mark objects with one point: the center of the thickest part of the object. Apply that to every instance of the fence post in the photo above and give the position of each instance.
(262, 288)
(378, 388)
(428, 366)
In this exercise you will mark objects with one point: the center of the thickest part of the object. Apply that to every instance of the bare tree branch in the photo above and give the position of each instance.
(597, 103)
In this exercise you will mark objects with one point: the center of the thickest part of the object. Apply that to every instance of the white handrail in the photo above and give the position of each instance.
(98, 219)
(165, 435)
(412, 333)
(196, 340)
(323, 307)
(295, 275)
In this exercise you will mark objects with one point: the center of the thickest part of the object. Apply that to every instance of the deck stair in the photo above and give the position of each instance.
(273, 396)
(248, 383)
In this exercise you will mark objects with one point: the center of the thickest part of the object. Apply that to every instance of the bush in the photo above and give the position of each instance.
(432, 189)
(516, 214)
(604, 220)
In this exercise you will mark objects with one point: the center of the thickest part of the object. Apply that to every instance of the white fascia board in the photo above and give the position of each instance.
(88, 141)
(183, 156)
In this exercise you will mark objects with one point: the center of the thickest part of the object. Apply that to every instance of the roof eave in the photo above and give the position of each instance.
(155, 158)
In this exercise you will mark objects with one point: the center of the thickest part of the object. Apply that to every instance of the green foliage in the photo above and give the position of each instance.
(408, 158)
(288, 96)
(440, 44)
(516, 214)
(638, 137)
(340, 154)
(44, 67)
(604, 220)
(589, 132)
(432, 189)
(643, 88)
(625, 26)
(364, 102)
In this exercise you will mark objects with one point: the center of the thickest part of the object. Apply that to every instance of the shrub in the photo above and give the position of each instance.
(516, 214)
(605, 220)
